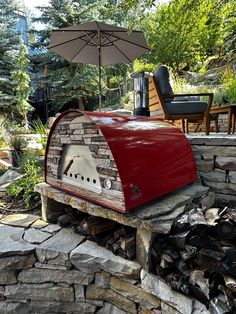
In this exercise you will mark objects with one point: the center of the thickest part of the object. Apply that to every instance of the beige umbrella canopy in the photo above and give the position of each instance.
(98, 43)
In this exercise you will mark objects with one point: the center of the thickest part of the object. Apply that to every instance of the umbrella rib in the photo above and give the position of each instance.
(118, 48)
(67, 41)
(91, 38)
(130, 42)
(86, 43)
(71, 60)
(107, 39)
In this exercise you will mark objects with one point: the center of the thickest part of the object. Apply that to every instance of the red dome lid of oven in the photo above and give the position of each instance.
(120, 162)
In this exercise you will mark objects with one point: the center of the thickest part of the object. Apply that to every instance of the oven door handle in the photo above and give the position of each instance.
(69, 165)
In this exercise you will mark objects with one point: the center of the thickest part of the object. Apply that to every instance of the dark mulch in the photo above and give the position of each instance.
(9, 206)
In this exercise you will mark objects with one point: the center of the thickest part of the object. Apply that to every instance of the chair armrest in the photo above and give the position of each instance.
(192, 94)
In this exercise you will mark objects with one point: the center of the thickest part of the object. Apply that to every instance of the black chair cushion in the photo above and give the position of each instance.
(163, 80)
(186, 107)
(186, 98)
(177, 105)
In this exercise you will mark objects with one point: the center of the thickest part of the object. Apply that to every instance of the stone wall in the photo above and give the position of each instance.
(48, 269)
(223, 122)
(216, 162)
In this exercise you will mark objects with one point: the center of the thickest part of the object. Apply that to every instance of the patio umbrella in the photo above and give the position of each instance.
(98, 43)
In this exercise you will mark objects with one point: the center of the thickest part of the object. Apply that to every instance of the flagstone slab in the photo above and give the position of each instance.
(7, 277)
(144, 217)
(19, 220)
(38, 224)
(90, 257)
(42, 292)
(36, 275)
(35, 236)
(214, 139)
(50, 266)
(51, 228)
(7, 178)
(17, 262)
(109, 308)
(97, 293)
(56, 249)
(164, 206)
(12, 242)
(58, 306)
(157, 286)
(14, 308)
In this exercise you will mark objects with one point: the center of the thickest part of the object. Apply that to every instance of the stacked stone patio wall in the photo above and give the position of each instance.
(216, 162)
(47, 269)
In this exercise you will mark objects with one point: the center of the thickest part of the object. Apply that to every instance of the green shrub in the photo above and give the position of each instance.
(115, 81)
(179, 84)
(3, 133)
(38, 127)
(2, 205)
(140, 66)
(2, 171)
(18, 142)
(3, 142)
(23, 188)
(125, 99)
(112, 101)
(220, 97)
(229, 85)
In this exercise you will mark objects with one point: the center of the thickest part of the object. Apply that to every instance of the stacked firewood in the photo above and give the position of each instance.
(198, 257)
(119, 239)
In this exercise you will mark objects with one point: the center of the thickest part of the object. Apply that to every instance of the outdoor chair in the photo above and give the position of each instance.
(186, 107)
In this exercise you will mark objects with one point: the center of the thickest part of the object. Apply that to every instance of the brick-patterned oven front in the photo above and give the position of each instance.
(79, 130)
(119, 162)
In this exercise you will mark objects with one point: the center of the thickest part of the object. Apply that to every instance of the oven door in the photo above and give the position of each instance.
(77, 167)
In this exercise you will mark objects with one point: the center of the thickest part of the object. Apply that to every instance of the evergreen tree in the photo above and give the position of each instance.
(21, 83)
(9, 40)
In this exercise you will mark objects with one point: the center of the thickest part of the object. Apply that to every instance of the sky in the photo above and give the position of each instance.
(31, 4)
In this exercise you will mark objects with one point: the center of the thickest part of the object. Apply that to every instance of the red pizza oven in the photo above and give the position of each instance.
(119, 162)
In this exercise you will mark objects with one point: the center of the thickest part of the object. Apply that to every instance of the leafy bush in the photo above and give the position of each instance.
(220, 96)
(140, 66)
(125, 99)
(39, 128)
(3, 142)
(127, 102)
(112, 101)
(23, 188)
(2, 171)
(229, 85)
(181, 86)
(3, 133)
(18, 142)
(115, 81)
(226, 93)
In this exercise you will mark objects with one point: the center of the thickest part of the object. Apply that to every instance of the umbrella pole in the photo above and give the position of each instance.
(100, 89)
(99, 76)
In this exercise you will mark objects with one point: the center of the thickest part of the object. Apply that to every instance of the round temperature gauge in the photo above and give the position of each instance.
(107, 184)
